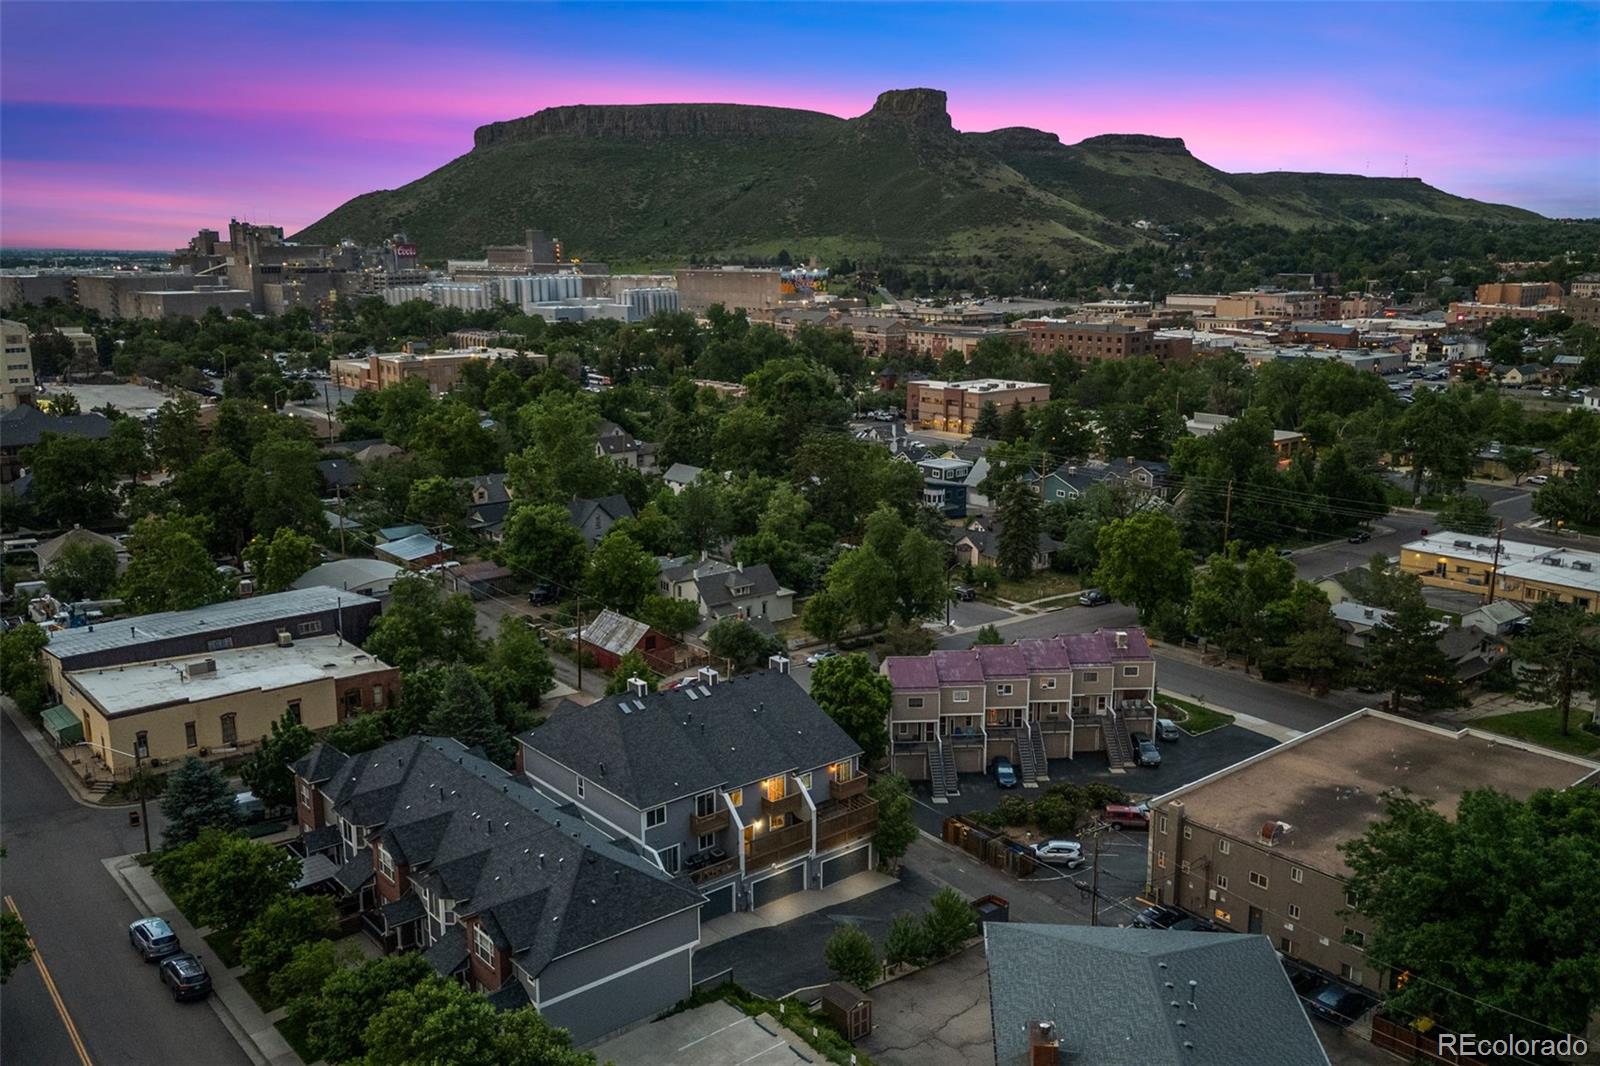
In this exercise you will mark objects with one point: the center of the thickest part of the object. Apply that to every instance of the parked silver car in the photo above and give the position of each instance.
(153, 938)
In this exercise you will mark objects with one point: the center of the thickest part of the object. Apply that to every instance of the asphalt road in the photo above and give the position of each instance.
(78, 918)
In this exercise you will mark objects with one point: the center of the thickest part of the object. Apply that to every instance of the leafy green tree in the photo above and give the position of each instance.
(541, 543)
(337, 1019)
(1520, 461)
(440, 503)
(128, 448)
(620, 574)
(83, 572)
(559, 461)
(517, 672)
(852, 956)
(1014, 424)
(1441, 438)
(1491, 911)
(275, 562)
(987, 424)
(283, 488)
(169, 568)
(452, 436)
(740, 643)
(1403, 652)
(297, 983)
(906, 943)
(14, 946)
(919, 576)
(1466, 513)
(466, 712)
(439, 1021)
(421, 625)
(857, 698)
(22, 675)
(864, 584)
(1231, 595)
(950, 922)
(1574, 499)
(211, 490)
(896, 829)
(825, 616)
(1559, 657)
(196, 798)
(73, 480)
(1017, 513)
(631, 665)
(227, 881)
(267, 772)
(670, 616)
(988, 634)
(175, 441)
(355, 735)
(1317, 650)
(1143, 562)
(269, 941)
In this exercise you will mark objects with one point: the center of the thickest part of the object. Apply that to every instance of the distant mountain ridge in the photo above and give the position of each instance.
(663, 182)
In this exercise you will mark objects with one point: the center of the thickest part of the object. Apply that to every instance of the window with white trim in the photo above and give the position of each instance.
(1355, 938)
(385, 862)
(913, 701)
(670, 859)
(1222, 880)
(706, 842)
(580, 788)
(305, 793)
(1296, 874)
(655, 816)
(1047, 683)
(1187, 832)
(1294, 910)
(1090, 675)
(1224, 847)
(308, 628)
(1130, 671)
(1349, 973)
(1003, 689)
(1349, 898)
(805, 781)
(483, 946)
(960, 695)
(1258, 880)
(1161, 823)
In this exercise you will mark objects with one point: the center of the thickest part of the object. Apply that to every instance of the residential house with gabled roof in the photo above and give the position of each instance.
(594, 518)
(979, 545)
(1031, 701)
(728, 590)
(745, 786)
(441, 851)
(680, 476)
(624, 449)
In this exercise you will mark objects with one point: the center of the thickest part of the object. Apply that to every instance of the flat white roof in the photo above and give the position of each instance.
(1572, 569)
(1479, 548)
(161, 682)
(980, 384)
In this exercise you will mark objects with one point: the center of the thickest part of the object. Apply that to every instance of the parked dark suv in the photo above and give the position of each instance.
(1145, 750)
(186, 976)
(153, 939)
(1158, 916)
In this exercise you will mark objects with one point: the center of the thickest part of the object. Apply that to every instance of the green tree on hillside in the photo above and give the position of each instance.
(857, 698)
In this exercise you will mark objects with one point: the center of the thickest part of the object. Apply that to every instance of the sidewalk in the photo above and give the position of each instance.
(248, 1023)
(790, 907)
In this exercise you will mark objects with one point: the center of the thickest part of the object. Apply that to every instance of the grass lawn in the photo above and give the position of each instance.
(1396, 496)
(1038, 586)
(1192, 717)
(226, 947)
(256, 985)
(1543, 727)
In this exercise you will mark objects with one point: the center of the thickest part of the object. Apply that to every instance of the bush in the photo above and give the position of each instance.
(225, 881)
(852, 956)
(1057, 814)
(308, 968)
(270, 941)
(906, 943)
(949, 923)
(1013, 810)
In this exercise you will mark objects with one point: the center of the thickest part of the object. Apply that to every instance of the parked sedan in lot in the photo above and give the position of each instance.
(1092, 598)
(1145, 750)
(1159, 916)
(1068, 853)
(820, 656)
(186, 976)
(1339, 1004)
(1360, 536)
(1193, 925)
(153, 938)
(1167, 729)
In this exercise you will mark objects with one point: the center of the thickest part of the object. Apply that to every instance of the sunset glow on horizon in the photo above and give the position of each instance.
(133, 125)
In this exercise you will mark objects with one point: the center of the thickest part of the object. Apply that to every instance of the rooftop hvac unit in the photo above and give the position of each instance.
(284, 639)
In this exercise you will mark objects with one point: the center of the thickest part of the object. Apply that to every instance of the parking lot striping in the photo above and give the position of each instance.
(55, 996)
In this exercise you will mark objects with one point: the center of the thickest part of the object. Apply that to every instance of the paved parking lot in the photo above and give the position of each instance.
(130, 399)
(938, 1016)
(714, 1033)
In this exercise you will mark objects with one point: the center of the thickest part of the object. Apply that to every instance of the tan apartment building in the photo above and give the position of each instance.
(224, 701)
(1086, 341)
(935, 339)
(16, 371)
(441, 370)
(875, 335)
(732, 287)
(1031, 701)
(954, 406)
(1255, 847)
(1522, 573)
(1520, 293)
(1471, 313)
(1269, 303)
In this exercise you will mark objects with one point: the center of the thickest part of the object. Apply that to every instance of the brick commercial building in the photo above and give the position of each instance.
(875, 335)
(439, 850)
(732, 287)
(1255, 848)
(1086, 341)
(1520, 293)
(954, 406)
(1323, 334)
(1031, 701)
(1471, 313)
(935, 339)
(1512, 570)
(441, 370)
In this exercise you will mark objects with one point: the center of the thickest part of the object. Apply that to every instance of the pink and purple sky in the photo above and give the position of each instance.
(131, 125)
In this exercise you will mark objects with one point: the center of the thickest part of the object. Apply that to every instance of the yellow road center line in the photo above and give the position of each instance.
(55, 996)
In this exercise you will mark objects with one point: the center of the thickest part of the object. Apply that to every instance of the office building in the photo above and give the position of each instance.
(1505, 569)
(16, 365)
(954, 406)
(732, 287)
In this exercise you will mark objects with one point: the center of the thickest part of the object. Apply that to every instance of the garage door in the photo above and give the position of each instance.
(844, 866)
(779, 885)
(719, 901)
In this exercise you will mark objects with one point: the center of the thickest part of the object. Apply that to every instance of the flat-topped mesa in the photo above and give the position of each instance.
(925, 108)
(649, 122)
(1140, 142)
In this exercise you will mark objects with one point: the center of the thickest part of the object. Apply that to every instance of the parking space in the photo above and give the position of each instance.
(938, 1016)
(136, 400)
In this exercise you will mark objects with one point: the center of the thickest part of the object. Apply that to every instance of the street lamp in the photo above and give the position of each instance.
(138, 762)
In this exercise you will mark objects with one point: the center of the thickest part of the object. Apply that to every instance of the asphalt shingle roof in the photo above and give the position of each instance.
(1120, 997)
(975, 665)
(659, 747)
(25, 424)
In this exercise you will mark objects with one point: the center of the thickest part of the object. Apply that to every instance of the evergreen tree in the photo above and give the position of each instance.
(1404, 654)
(1017, 513)
(987, 424)
(988, 634)
(196, 798)
(465, 711)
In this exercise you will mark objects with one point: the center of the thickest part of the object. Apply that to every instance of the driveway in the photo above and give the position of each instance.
(938, 1016)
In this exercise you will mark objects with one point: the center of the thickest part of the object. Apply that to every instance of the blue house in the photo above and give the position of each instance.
(944, 485)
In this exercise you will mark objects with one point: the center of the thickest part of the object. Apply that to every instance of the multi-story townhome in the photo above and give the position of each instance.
(441, 851)
(1031, 701)
(746, 786)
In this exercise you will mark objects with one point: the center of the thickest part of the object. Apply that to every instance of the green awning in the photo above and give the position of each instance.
(63, 725)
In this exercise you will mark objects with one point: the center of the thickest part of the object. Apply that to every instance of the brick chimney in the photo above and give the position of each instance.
(1044, 1047)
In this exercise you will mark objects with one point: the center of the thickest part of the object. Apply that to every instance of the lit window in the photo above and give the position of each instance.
(736, 797)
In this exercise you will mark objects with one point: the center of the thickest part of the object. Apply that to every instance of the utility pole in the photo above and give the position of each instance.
(578, 643)
(1094, 881)
(1227, 514)
(1494, 567)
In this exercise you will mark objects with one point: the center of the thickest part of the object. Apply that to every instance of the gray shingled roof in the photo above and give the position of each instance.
(1111, 994)
(656, 748)
(25, 424)
(545, 885)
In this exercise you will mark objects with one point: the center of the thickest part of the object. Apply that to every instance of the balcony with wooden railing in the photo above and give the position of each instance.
(848, 788)
(715, 822)
(776, 845)
(791, 805)
(838, 822)
(712, 870)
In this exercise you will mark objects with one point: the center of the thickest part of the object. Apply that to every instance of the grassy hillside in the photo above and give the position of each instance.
(661, 183)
